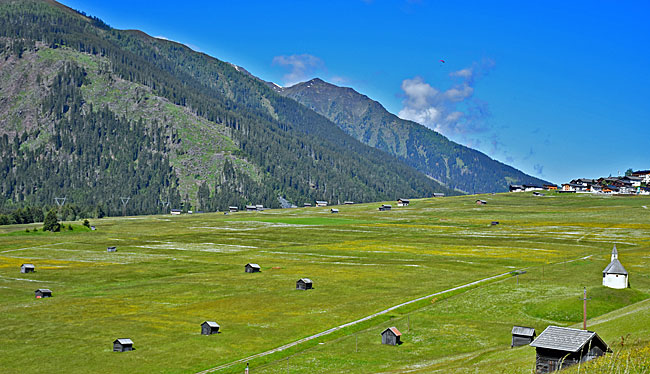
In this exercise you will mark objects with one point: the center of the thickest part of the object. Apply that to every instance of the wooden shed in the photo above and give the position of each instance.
(175, 212)
(334, 210)
(252, 268)
(43, 292)
(481, 202)
(522, 336)
(304, 284)
(251, 208)
(391, 336)
(321, 203)
(307, 205)
(233, 209)
(111, 249)
(561, 347)
(348, 202)
(384, 207)
(209, 328)
(27, 268)
(403, 202)
(122, 345)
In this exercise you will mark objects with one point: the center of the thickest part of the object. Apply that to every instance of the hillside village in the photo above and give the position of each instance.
(636, 183)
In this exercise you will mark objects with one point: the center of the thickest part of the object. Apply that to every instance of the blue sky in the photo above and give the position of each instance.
(556, 89)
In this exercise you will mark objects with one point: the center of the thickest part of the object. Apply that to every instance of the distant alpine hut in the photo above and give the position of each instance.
(481, 202)
(93, 228)
(438, 194)
(522, 336)
(615, 275)
(111, 249)
(27, 268)
(233, 209)
(321, 203)
(42, 293)
(535, 193)
(209, 328)
(307, 205)
(259, 207)
(348, 202)
(175, 212)
(561, 347)
(252, 268)
(251, 208)
(403, 202)
(494, 223)
(304, 284)
(384, 207)
(334, 210)
(122, 345)
(391, 336)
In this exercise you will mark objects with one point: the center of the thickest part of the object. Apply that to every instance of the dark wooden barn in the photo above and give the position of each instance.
(122, 345)
(111, 249)
(561, 347)
(27, 268)
(209, 328)
(43, 292)
(334, 210)
(252, 268)
(391, 336)
(251, 208)
(304, 284)
(522, 336)
(307, 205)
(384, 207)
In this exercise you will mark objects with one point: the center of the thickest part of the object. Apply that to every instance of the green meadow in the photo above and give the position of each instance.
(171, 273)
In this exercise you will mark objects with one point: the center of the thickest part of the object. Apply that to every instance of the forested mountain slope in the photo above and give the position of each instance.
(96, 114)
(454, 165)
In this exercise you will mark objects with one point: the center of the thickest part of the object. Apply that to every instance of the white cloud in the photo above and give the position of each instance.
(300, 67)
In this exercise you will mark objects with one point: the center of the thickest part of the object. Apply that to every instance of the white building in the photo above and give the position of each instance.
(615, 275)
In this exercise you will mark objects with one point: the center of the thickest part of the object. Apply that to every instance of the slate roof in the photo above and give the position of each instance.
(28, 265)
(253, 265)
(124, 341)
(44, 290)
(564, 339)
(211, 323)
(521, 330)
(305, 280)
(615, 267)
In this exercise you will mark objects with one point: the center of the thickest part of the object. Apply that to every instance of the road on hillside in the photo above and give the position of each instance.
(333, 329)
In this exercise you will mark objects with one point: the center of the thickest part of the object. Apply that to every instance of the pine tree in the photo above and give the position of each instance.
(51, 223)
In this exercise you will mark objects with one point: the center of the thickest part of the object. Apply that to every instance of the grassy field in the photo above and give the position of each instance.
(172, 273)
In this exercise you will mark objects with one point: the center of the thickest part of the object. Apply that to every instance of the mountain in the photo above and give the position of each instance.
(455, 165)
(96, 114)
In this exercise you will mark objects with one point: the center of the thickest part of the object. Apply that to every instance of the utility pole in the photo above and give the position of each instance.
(125, 200)
(584, 309)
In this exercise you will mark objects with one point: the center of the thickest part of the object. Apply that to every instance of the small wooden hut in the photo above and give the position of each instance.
(209, 328)
(561, 347)
(384, 207)
(42, 293)
(122, 345)
(391, 336)
(251, 208)
(334, 210)
(233, 209)
(348, 202)
(252, 268)
(111, 249)
(403, 202)
(27, 268)
(522, 336)
(304, 284)
(481, 202)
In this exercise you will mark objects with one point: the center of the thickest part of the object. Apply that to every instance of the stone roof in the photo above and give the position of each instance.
(521, 330)
(124, 341)
(212, 323)
(564, 339)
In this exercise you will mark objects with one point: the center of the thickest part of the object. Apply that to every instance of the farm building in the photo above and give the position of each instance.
(233, 209)
(560, 347)
(304, 284)
(384, 207)
(516, 188)
(391, 336)
(438, 194)
(252, 268)
(209, 328)
(175, 212)
(307, 205)
(402, 202)
(348, 202)
(122, 345)
(259, 207)
(522, 336)
(27, 268)
(481, 202)
(334, 210)
(615, 275)
(535, 193)
(111, 249)
(43, 292)
(321, 203)
(251, 208)
(550, 187)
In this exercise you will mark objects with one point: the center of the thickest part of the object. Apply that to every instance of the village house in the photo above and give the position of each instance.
(403, 202)
(252, 268)
(304, 284)
(522, 336)
(644, 174)
(122, 345)
(531, 187)
(516, 188)
(209, 328)
(391, 336)
(27, 268)
(615, 275)
(560, 347)
(550, 187)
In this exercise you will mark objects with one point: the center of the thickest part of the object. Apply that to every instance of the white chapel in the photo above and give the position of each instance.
(615, 275)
